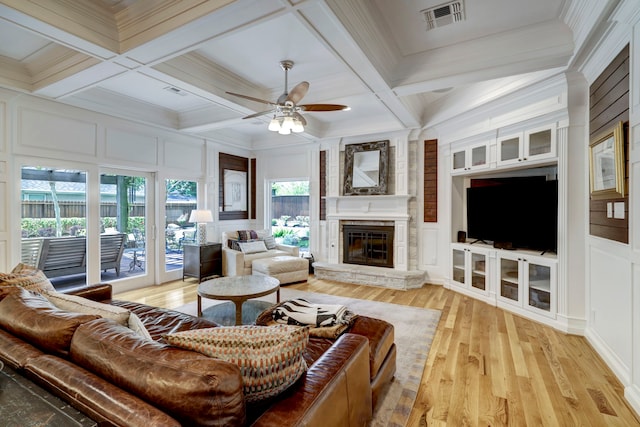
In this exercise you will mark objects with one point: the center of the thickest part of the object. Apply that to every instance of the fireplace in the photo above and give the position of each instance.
(368, 245)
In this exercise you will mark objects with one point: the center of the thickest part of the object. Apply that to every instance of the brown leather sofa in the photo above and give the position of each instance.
(119, 378)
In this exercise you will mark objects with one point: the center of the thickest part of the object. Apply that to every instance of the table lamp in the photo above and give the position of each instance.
(201, 217)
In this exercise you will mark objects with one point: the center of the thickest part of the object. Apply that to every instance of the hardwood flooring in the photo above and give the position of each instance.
(486, 366)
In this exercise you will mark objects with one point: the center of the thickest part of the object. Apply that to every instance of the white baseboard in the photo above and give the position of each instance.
(632, 394)
(619, 368)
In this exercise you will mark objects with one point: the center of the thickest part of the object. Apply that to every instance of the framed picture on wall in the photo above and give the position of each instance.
(233, 200)
(606, 164)
(235, 190)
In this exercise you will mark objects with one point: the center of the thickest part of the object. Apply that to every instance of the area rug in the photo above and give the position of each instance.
(414, 329)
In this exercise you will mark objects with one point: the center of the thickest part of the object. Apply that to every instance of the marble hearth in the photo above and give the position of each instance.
(386, 210)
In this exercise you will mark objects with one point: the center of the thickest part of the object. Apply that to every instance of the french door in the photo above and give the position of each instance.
(127, 207)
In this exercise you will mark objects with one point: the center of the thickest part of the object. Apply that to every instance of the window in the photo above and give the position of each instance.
(53, 220)
(290, 213)
(181, 199)
(123, 211)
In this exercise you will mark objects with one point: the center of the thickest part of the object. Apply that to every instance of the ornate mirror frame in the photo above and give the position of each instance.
(366, 168)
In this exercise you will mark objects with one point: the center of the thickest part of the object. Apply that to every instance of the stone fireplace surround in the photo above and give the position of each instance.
(369, 210)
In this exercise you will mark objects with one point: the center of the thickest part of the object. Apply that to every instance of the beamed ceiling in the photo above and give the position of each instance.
(170, 63)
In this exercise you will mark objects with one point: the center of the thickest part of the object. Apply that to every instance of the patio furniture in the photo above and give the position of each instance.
(63, 256)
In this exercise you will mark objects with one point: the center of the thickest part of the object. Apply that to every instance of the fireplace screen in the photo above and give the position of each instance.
(368, 245)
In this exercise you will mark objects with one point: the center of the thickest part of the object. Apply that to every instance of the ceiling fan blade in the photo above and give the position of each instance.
(261, 113)
(301, 118)
(251, 98)
(323, 107)
(298, 92)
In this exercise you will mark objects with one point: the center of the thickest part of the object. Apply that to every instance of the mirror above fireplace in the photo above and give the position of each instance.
(366, 168)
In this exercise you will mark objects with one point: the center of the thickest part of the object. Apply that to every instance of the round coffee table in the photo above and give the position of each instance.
(238, 289)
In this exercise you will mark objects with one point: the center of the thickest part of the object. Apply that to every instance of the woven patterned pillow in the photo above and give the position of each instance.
(27, 277)
(269, 357)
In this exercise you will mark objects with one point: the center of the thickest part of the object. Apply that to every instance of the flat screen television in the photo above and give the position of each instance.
(521, 212)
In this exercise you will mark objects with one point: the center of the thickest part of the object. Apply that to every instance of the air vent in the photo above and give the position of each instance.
(175, 90)
(445, 14)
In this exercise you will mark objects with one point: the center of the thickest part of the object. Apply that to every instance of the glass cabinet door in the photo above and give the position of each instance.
(539, 143)
(478, 271)
(509, 274)
(459, 160)
(479, 156)
(509, 149)
(540, 286)
(458, 272)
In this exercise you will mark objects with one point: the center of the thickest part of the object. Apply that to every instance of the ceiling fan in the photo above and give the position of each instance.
(286, 111)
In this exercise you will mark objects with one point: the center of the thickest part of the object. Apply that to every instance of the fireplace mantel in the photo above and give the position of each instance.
(387, 207)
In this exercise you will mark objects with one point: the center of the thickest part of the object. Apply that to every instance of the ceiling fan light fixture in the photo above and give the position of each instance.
(297, 126)
(286, 112)
(274, 124)
(287, 123)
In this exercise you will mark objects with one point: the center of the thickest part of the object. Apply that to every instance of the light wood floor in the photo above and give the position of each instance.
(486, 366)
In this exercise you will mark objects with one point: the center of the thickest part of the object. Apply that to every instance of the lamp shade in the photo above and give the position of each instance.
(201, 215)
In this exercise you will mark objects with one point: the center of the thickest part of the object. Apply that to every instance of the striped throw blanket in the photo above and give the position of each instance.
(301, 312)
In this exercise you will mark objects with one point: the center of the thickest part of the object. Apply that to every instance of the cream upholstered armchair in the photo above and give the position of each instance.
(241, 247)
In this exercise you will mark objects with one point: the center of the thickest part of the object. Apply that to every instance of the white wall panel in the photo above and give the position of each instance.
(132, 147)
(38, 129)
(429, 247)
(290, 165)
(3, 257)
(3, 208)
(3, 127)
(180, 155)
(611, 300)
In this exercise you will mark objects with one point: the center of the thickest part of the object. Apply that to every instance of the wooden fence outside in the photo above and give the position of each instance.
(291, 206)
(74, 209)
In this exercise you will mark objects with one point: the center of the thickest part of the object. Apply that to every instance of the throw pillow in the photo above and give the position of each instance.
(136, 325)
(234, 244)
(27, 277)
(247, 235)
(269, 242)
(83, 305)
(270, 358)
(252, 247)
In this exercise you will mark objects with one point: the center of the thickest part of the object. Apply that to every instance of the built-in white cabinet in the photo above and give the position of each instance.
(527, 281)
(521, 281)
(473, 157)
(528, 146)
(470, 268)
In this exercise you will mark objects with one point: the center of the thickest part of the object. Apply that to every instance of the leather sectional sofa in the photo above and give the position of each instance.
(117, 377)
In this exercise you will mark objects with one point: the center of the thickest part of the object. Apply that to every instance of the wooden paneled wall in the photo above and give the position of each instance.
(252, 190)
(229, 161)
(608, 105)
(431, 180)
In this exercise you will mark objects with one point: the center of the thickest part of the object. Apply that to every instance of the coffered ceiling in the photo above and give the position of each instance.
(170, 63)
